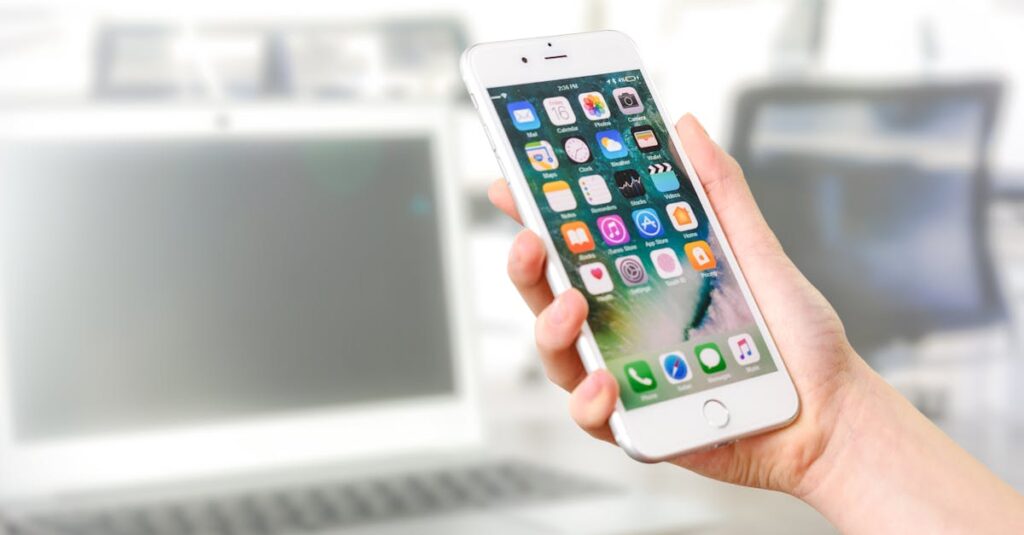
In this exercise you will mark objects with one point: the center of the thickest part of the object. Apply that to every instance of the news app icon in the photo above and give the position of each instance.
(743, 349)
(542, 156)
(629, 184)
(613, 230)
(577, 237)
(524, 115)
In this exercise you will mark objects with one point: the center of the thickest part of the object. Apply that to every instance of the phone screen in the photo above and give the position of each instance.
(666, 309)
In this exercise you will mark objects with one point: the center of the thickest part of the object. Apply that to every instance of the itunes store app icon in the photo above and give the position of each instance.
(666, 263)
(613, 230)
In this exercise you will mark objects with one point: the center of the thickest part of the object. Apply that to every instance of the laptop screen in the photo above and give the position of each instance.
(154, 284)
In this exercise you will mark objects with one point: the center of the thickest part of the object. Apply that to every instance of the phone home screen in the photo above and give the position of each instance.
(665, 308)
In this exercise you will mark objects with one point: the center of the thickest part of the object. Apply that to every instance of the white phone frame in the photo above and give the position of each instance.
(668, 428)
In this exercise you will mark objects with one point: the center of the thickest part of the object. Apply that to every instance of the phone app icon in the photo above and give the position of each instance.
(675, 367)
(628, 100)
(629, 184)
(594, 106)
(631, 270)
(577, 237)
(681, 215)
(646, 139)
(640, 377)
(595, 190)
(666, 263)
(743, 349)
(647, 223)
(524, 115)
(663, 177)
(700, 255)
(559, 111)
(709, 357)
(611, 144)
(596, 278)
(613, 230)
(576, 149)
(559, 196)
(541, 155)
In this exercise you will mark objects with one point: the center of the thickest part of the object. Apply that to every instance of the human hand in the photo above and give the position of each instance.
(807, 331)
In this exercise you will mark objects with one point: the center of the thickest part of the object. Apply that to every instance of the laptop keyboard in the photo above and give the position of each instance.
(322, 506)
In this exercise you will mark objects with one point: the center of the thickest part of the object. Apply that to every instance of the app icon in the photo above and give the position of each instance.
(666, 263)
(559, 196)
(699, 253)
(744, 349)
(524, 116)
(629, 184)
(681, 215)
(709, 357)
(559, 111)
(595, 190)
(675, 368)
(631, 270)
(645, 138)
(541, 155)
(611, 144)
(663, 177)
(628, 100)
(596, 278)
(577, 237)
(613, 230)
(647, 223)
(576, 149)
(594, 106)
(640, 376)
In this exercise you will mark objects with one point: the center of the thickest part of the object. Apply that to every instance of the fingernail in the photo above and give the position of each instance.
(589, 388)
(559, 310)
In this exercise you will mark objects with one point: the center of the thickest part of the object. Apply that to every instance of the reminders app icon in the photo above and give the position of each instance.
(524, 116)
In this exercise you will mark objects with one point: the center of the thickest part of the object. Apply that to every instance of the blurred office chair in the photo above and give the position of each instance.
(879, 194)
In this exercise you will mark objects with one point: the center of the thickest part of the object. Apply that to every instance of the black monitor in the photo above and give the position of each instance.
(879, 195)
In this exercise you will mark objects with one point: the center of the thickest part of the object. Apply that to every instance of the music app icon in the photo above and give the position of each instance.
(743, 349)
(613, 230)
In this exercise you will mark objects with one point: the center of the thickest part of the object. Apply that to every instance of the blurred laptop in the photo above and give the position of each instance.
(252, 323)
(879, 193)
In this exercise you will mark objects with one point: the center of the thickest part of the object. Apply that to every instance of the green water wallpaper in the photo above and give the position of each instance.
(665, 308)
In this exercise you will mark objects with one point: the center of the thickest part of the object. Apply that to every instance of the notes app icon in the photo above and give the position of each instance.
(559, 196)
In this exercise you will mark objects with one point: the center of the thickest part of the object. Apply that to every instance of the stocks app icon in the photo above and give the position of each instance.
(629, 184)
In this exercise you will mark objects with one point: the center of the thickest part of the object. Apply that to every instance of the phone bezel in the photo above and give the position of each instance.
(755, 405)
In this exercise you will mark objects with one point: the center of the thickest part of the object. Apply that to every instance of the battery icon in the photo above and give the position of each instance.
(631, 78)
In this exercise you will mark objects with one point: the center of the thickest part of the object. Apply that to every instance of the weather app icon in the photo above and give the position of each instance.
(611, 144)
(647, 223)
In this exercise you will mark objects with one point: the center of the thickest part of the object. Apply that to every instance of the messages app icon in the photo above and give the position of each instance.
(524, 115)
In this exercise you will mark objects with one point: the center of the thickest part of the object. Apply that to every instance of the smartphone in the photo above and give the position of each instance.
(597, 172)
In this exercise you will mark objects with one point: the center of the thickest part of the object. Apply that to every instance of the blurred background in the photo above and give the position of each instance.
(884, 140)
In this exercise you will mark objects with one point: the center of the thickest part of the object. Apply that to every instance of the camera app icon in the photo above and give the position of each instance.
(628, 100)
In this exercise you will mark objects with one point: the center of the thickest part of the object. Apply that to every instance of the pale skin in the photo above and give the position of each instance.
(859, 452)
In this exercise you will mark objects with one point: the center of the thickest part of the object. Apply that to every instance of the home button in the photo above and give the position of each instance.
(715, 413)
